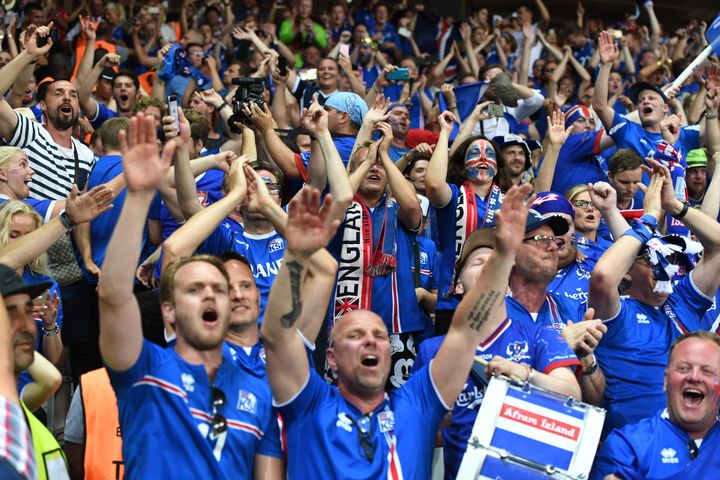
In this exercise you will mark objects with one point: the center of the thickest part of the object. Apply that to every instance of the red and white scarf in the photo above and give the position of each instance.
(466, 217)
(360, 263)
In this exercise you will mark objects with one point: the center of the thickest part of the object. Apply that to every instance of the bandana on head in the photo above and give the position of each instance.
(576, 113)
(477, 154)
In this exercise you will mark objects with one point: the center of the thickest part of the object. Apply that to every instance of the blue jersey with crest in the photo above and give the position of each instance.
(324, 441)
(520, 339)
(655, 447)
(264, 252)
(164, 405)
(573, 280)
(634, 351)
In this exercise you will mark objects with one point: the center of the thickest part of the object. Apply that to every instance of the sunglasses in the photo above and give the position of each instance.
(545, 241)
(363, 425)
(219, 422)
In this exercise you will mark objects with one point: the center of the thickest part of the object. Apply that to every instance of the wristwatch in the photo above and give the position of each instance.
(591, 369)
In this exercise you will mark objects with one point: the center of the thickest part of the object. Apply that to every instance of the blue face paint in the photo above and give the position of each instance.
(479, 155)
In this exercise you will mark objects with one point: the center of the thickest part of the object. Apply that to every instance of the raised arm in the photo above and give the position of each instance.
(436, 187)
(706, 229)
(409, 212)
(10, 72)
(315, 122)
(144, 168)
(200, 226)
(184, 178)
(711, 202)
(483, 301)
(608, 53)
(280, 153)
(614, 264)
(308, 230)
(557, 134)
(85, 84)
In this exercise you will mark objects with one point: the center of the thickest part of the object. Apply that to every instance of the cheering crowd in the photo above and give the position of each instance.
(250, 239)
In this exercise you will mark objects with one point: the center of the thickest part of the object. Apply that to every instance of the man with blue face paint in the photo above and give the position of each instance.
(464, 193)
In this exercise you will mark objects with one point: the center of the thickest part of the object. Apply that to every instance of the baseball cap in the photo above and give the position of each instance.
(696, 158)
(483, 237)
(536, 220)
(549, 203)
(12, 284)
(638, 87)
(108, 74)
(350, 103)
(575, 113)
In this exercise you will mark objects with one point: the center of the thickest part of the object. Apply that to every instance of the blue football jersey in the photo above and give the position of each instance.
(537, 344)
(325, 432)
(652, 448)
(165, 407)
(634, 351)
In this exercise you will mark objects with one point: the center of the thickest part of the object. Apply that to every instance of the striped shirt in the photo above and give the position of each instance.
(53, 164)
(16, 448)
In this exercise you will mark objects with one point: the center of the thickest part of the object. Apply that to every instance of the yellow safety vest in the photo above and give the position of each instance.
(50, 458)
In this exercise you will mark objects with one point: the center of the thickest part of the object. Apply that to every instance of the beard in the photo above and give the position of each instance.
(62, 123)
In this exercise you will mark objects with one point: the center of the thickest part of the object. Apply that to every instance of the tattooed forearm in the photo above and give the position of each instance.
(480, 312)
(295, 272)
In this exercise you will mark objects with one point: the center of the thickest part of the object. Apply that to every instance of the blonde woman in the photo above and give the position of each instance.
(587, 222)
(15, 176)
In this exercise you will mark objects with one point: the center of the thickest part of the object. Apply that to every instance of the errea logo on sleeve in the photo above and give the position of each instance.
(669, 455)
(642, 318)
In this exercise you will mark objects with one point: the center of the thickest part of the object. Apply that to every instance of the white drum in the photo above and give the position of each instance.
(523, 431)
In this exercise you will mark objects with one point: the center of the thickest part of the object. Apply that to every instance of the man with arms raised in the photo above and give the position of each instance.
(642, 324)
(357, 426)
(194, 393)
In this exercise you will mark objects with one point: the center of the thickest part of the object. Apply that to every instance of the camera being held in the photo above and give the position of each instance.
(249, 90)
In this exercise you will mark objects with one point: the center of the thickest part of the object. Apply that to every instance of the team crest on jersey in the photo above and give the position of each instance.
(188, 382)
(669, 312)
(275, 245)
(423, 258)
(386, 420)
(247, 402)
(202, 197)
(517, 351)
(261, 354)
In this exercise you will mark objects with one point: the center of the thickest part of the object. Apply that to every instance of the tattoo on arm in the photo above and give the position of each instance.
(288, 320)
(480, 312)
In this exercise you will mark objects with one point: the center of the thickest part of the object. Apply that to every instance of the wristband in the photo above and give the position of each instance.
(591, 369)
(51, 333)
(222, 105)
(683, 212)
(650, 221)
(711, 116)
(641, 230)
(66, 222)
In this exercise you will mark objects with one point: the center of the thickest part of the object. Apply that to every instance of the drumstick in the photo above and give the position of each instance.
(485, 363)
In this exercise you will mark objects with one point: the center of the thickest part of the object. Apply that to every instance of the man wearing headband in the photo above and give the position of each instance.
(672, 440)
(652, 106)
(523, 339)
(643, 323)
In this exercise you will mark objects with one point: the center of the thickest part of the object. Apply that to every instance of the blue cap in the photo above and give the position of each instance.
(549, 203)
(351, 103)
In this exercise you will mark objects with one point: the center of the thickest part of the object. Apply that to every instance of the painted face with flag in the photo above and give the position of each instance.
(480, 161)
